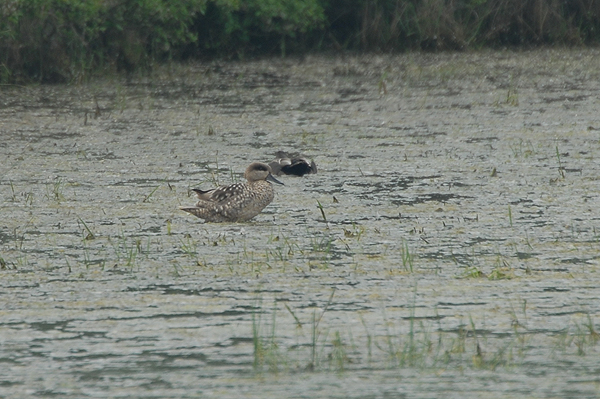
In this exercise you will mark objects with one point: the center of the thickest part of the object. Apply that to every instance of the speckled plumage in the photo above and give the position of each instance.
(236, 202)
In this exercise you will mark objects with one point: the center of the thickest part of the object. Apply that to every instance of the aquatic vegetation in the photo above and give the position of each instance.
(581, 335)
(266, 350)
(127, 249)
(471, 272)
(282, 248)
(501, 269)
(561, 169)
(522, 149)
(512, 95)
(12, 189)
(90, 235)
(4, 265)
(189, 246)
(54, 190)
(410, 343)
(147, 197)
(316, 333)
(356, 232)
(322, 211)
(407, 257)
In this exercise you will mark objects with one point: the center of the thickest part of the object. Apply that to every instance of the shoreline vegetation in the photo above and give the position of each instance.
(54, 41)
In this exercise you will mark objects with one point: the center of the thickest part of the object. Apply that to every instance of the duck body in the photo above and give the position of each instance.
(236, 202)
(292, 164)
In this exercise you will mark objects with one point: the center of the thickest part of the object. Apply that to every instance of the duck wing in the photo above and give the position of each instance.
(219, 194)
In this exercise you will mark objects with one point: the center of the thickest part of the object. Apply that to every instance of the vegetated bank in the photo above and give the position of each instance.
(70, 40)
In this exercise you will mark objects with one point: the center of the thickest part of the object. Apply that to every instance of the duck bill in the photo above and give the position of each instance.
(273, 179)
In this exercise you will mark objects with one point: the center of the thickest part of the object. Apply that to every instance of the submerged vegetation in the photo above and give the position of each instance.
(68, 40)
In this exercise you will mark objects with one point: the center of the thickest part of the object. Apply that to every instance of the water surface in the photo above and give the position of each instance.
(455, 254)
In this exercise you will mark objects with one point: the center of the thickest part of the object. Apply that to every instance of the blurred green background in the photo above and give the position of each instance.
(71, 40)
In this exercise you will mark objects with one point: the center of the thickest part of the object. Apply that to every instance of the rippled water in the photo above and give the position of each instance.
(447, 246)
